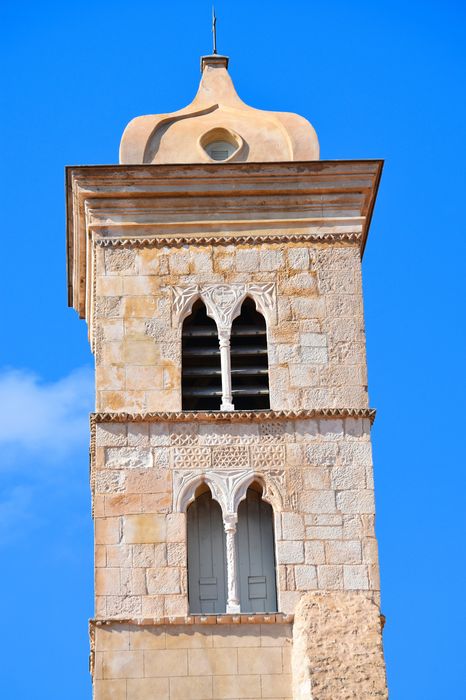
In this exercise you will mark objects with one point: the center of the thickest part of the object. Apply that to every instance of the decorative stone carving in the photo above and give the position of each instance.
(223, 301)
(267, 456)
(230, 456)
(192, 457)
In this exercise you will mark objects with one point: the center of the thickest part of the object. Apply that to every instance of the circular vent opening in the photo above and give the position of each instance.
(221, 144)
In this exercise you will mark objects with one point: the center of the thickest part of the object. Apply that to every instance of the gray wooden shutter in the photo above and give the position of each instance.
(206, 556)
(256, 555)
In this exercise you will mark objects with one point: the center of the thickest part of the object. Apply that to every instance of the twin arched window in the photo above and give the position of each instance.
(207, 565)
(202, 387)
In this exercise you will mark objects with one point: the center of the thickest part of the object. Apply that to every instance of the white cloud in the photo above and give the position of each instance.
(50, 418)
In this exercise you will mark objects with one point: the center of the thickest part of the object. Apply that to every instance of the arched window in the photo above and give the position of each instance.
(256, 554)
(206, 555)
(249, 362)
(201, 373)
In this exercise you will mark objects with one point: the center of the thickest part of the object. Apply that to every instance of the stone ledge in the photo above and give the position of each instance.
(173, 240)
(232, 416)
(254, 619)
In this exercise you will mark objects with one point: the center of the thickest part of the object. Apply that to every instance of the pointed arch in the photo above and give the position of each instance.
(200, 359)
(256, 553)
(249, 359)
(207, 576)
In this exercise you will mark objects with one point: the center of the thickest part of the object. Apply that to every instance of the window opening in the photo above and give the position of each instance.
(201, 373)
(256, 554)
(206, 555)
(249, 361)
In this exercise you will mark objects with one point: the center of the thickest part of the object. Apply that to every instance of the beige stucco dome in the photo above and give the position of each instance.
(218, 127)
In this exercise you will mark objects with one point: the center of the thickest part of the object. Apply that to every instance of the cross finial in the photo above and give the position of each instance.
(214, 31)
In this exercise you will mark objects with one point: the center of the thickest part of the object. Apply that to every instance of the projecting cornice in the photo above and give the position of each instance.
(233, 416)
(326, 202)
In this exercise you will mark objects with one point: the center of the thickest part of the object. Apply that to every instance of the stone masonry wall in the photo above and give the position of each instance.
(193, 662)
(316, 341)
(316, 473)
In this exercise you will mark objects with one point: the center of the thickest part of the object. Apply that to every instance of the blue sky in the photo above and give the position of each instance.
(377, 80)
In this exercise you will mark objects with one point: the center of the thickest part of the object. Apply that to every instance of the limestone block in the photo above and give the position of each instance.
(107, 530)
(197, 688)
(305, 577)
(289, 552)
(356, 453)
(112, 639)
(158, 434)
(276, 687)
(330, 577)
(344, 477)
(232, 636)
(139, 307)
(107, 581)
(141, 377)
(148, 261)
(148, 481)
(176, 527)
(124, 606)
(110, 689)
(314, 552)
(317, 501)
(147, 689)
(355, 501)
(149, 555)
(178, 263)
(216, 662)
(302, 374)
(315, 478)
(322, 454)
(140, 285)
(120, 261)
(292, 526)
(138, 434)
(110, 434)
(108, 307)
(110, 377)
(100, 555)
(307, 430)
(264, 661)
(311, 355)
(122, 504)
(153, 605)
(109, 481)
(355, 577)
(176, 554)
(119, 555)
(270, 259)
(298, 258)
(188, 637)
(144, 528)
(324, 532)
(247, 260)
(163, 581)
(201, 260)
(345, 552)
(148, 638)
(176, 605)
(123, 664)
(299, 284)
(237, 687)
(128, 458)
(165, 662)
(289, 600)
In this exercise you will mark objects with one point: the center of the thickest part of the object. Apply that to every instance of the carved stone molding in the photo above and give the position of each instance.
(228, 487)
(157, 241)
(223, 301)
(233, 416)
(217, 619)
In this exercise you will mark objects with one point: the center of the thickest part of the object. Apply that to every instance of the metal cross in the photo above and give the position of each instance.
(214, 30)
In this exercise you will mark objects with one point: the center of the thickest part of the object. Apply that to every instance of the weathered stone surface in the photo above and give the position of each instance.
(337, 647)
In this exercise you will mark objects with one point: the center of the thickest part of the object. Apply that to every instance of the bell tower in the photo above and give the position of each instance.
(218, 268)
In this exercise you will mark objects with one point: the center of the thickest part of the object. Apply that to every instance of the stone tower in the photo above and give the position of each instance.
(218, 267)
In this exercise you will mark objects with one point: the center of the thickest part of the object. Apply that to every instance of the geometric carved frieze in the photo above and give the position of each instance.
(232, 416)
(267, 456)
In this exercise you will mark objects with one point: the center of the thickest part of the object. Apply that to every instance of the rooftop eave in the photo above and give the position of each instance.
(139, 203)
